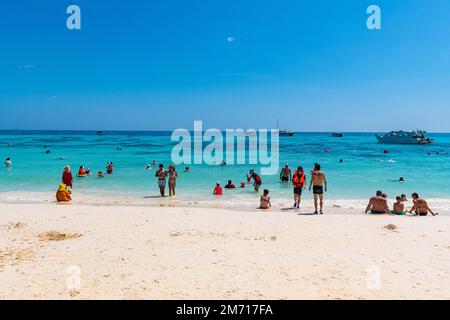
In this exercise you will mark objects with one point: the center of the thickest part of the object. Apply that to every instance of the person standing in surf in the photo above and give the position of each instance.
(285, 174)
(161, 174)
(172, 180)
(319, 185)
(298, 183)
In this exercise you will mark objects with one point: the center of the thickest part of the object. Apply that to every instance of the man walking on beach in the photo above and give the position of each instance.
(318, 182)
(161, 174)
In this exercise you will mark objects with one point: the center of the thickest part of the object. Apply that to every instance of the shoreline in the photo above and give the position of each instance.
(203, 253)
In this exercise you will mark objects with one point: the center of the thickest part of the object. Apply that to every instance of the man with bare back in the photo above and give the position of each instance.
(319, 185)
(378, 204)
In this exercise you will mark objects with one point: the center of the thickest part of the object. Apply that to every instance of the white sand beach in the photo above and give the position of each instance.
(137, 252)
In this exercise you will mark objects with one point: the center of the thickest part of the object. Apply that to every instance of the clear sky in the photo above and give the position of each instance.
(161, 64)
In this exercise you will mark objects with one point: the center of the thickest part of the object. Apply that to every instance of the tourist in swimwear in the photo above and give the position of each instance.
(420, 206)
(264, 201)
(230, 185)
(67, 177)
(218, 189)
(8, 163)
(149, 166)
(403, 196)
(186, 169)
(319, 185)
(88, 171)
(63, 194)
(298, 183)
(109, 167)
(81, 171)
(378, 204)
(100, 174)
(399, 207)
(242, 184)
(172, 180)
(256, 178)
(285, 174)
(161, 174)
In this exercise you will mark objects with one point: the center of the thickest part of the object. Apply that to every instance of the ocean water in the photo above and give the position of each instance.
(365, 168)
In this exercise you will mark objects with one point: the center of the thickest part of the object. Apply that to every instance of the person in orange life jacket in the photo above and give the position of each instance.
(298, 182)
(256, 178)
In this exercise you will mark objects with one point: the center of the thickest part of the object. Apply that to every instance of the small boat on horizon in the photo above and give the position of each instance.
(404, 137)
(99, 133)
(284, 133)
(337, 134)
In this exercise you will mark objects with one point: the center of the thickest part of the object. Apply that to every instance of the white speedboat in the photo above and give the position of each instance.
(284, 133)
(404, 137)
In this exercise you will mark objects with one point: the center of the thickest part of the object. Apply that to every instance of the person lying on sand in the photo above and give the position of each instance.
(264, 202)
(63, 194)
(378, 204)
(399, 207)
(420, 206)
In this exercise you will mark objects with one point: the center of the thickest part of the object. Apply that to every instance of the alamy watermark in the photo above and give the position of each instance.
(251, 146)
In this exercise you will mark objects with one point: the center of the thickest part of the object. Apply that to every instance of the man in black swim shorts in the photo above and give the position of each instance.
(319, 185)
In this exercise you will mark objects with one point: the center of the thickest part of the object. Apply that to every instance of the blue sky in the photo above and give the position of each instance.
(155, 65)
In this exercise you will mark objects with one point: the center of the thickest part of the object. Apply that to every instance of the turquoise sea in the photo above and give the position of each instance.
(365, 167)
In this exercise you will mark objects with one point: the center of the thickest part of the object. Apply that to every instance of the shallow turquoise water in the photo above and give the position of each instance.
(365, 168)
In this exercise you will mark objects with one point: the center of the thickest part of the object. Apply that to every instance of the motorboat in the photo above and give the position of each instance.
(404, 137)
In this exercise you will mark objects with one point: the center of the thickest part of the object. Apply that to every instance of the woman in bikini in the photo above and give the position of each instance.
(420, 206)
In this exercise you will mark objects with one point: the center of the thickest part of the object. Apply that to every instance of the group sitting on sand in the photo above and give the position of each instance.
(379, 205)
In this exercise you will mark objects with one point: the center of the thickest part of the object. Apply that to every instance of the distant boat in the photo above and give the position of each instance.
(284, 133)
(404, 137)
(99, 133)
(337, 134)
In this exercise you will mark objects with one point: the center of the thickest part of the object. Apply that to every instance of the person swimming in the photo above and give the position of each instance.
(187, 169)
(242, 184)
(218, 189)
(399, 207)
(88, 171)
(81, 171)
(8, 163)
(230, 185)
(264, 201)
(63, 194)
(109, 167)
(149, 166)
(401, 179)
(67, 177)
(100, 174)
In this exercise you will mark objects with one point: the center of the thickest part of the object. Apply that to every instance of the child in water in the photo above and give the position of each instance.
(8, 163)
(265, 200)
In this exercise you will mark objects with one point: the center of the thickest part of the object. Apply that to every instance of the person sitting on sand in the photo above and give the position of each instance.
(420, 206)
(161, 174)
(264, 201)
(399, 207)
(378, 204)
(218, 189)
(230, 185)
(63, 194)
(8, 163)
(67, 177)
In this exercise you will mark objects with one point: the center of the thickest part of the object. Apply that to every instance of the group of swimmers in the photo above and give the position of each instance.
(379, 205)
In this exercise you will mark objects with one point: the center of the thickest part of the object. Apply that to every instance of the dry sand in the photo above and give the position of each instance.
(199, 253)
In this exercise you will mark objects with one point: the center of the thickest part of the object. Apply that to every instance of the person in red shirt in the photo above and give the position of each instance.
(218, 189)
(230, 185)
(67, 177)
